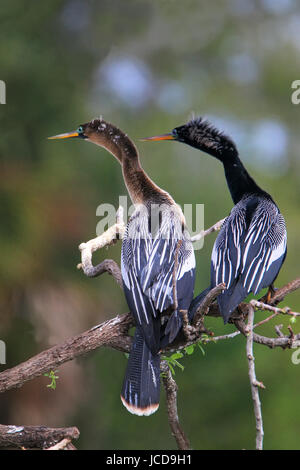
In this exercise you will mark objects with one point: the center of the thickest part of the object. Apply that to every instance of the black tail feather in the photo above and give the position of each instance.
(196, 302)
(173, 326)
(230, 299)
(141, 386)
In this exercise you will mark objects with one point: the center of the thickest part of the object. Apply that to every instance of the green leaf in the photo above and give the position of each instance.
(177, 355)
(189, 349)
(201, 348)
(53, 379)
(178, 365)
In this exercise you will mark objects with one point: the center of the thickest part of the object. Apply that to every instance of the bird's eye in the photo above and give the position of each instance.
(175, 133)
(80, 130)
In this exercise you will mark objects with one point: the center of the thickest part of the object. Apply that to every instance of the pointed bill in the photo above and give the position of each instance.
(64, 136)
(159, 137)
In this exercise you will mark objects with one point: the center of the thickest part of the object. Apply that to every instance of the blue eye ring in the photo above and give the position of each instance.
(80, 130)
(174, 133)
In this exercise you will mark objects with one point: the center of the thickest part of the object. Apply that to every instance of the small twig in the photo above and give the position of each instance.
(292, 334)
(282, 342)
(222, 337)
(278, 331)
(254, 382)
(171, 394)
(262, 306)
(217, 226)
(266, 320)
(63, 444)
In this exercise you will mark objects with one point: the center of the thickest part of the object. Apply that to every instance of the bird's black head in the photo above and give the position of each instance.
(201, 134)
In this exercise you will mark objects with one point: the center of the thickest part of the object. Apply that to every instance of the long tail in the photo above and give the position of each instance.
(230, 299)
(196, 302)
(141, 386)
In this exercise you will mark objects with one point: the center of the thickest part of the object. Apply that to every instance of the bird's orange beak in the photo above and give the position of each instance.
(160, 137)
(64, 136)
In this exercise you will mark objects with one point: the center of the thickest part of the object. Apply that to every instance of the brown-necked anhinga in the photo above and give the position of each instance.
(251, 246)
(157, 256)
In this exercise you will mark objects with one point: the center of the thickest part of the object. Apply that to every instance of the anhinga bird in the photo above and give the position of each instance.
(251, 246)
(157, 257)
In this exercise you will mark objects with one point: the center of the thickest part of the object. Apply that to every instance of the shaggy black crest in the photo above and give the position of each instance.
(201, 134)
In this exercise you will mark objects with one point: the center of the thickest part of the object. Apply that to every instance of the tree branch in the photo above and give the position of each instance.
(109, 237)
(171, 394)
(112, 333)
(37, 437)
(281, 293)
(206, 303)
(253, 381)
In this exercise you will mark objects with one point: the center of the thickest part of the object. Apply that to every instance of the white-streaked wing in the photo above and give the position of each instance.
(148, 265)
(227, 251)
(251, 253)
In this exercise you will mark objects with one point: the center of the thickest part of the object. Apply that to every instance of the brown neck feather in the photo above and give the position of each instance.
(141, 188)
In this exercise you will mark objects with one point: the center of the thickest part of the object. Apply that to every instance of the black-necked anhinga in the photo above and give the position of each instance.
(251, 246)
(158, 267)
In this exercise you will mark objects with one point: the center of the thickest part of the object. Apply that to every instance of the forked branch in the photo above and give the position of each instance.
(254, 384)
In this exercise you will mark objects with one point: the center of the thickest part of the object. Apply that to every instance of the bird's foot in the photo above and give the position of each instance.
(270, 293)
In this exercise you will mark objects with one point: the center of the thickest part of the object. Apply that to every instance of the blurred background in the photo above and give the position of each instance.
(146, 66)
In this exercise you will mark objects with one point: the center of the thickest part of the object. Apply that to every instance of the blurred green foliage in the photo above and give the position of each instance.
(145, 66)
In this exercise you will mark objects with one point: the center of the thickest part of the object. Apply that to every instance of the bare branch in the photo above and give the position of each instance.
(205, 305)
(253, 381)
(36, 437)
(63, 444)
(281, 293)
(108, 265)
(109, 237)
(210, 230)
(222, 337)
(281, 342)
(171, 394)
(262, 306)
(112, 333)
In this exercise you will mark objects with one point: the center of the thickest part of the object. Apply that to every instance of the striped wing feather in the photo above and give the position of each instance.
(148, 263)
(248, 254)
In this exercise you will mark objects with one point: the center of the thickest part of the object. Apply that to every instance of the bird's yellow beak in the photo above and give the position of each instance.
(160, 137)
(64, 136)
